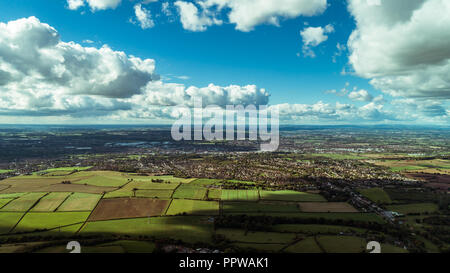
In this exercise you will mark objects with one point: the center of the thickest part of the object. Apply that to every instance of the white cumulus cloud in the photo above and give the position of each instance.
(143, 16)
(194, 20)
(39, 72)
(361, 95)
(248, 14)
(171, 94)
(40, 75)
(93, 4)
(314, 36)
(75, 4)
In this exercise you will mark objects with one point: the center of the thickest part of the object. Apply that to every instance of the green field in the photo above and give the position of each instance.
(351, 244)
(148, 185)
(376, 195)
(339, 156)
(291, 196)
(44, 221)
(188, 215)
(119, 193)
(241, 182)
(387, 248)
(414, 208)
(412, 196)
(307, 245)
(342, 244)
(172, 179)
(345, 216)
(23, 203)
(215, 194)
(80, 202)
(205, 182)
(60, 232)
(315, 229)
(239, 195)
(4, 201)
(68, 169)
(8, 220)
(18, 247)
(267, 207)
(6, 171)
(194, 207)
(187, 191)
(187, 229)
(11, 195)
(110, 249)
(407, 168)
(415, 165)
(133, 246)
(144, 188)
(430, 246)
(238, 235)
(264, 248)
(159, 194)
(51, 202)
(64, 171)
(103, 181)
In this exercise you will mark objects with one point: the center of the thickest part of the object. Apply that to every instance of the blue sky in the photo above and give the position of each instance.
(272, 57)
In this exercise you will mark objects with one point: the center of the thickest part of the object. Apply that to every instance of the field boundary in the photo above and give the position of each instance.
(167, 208)
(41, 231)
(120, 187)
(297, 240)
(8, 186)
(92, 211)
(146, 217)
(35, 203)
(8, 203)
(65, 199)
(319, 245)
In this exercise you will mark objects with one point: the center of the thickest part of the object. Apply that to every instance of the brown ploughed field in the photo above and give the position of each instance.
(120, 208)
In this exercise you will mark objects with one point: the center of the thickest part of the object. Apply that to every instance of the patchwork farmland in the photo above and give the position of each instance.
(64, 203)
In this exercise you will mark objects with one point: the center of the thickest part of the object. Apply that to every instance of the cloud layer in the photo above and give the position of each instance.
(335, 113)
(361, 95)
(35, 60)
(403, 46)
(40, 75)
(400, 46)
(246, 15)
(171, 94)
(198, 15)
(93, 4)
